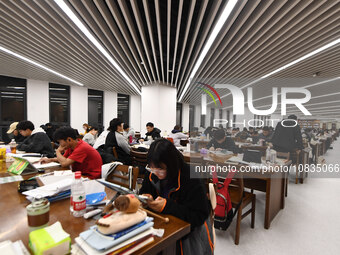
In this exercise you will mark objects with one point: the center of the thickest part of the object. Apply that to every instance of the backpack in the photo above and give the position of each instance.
(224, 212)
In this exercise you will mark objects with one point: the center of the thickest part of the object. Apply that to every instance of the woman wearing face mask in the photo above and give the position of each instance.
(171, 191)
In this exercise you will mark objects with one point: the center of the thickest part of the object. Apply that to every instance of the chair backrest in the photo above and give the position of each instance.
(262, 149)
(115, 154)
(184, 142)
(123, 176)
(284, 155)
(139, 158)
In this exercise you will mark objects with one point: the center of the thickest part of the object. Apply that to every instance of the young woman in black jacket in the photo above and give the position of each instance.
(172, 191)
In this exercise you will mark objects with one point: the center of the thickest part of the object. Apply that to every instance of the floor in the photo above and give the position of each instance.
(309, 224)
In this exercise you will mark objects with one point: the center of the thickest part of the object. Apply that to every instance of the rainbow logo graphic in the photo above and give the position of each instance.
(209, 93)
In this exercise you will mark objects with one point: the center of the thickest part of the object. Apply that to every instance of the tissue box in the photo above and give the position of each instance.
(52, 240)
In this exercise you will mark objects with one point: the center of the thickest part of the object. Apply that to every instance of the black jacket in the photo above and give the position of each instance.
(37, 143)
(228, 144)
(187, 200)
(111, 142)
(287, 139)
(155, 134)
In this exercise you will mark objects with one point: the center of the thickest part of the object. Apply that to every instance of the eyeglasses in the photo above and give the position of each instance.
(156, 171)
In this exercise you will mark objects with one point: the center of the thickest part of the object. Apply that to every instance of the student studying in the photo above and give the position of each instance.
(36, 139)
(76, 154)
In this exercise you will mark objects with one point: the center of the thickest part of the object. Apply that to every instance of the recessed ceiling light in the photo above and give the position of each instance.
(223, 18)
(39, 65)
(96, 43)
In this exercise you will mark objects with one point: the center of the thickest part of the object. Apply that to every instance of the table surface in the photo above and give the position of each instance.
(13, 220)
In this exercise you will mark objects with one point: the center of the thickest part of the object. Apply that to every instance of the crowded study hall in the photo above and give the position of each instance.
(169, 127)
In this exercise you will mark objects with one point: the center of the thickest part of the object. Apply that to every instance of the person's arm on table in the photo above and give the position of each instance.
(64, 162)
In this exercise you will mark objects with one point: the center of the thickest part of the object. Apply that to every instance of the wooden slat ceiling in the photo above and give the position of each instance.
(159, 42)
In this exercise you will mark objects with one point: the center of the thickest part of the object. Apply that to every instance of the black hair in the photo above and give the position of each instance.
(292, 117)
(25, 124)
(219, 134)
(177, 127)
(114, 124)
(245, 129)
(149, 124)
(265, 128)
(126, 126)
(251, 128)
(93, 128)
(65, 132)
(164, 151)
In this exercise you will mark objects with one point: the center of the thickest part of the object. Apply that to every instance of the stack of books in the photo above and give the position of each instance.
(124, 242)
(13, 248)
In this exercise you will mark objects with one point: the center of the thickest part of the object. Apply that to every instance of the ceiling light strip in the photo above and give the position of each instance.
(39, 65)
(223, 18)
(331, 44)
(96, 43)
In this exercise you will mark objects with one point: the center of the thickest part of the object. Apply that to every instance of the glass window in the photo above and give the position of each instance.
(95, 109)
(228, 118)
(179, 114)
(12, 103)
(124, 108)
(59, 104)
(202, 120)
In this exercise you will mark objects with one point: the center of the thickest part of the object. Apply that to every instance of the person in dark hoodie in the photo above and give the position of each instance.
(171, 191)
(287, 138)
(221, 142)
(152, 133)
(36, 139)
(177, 135)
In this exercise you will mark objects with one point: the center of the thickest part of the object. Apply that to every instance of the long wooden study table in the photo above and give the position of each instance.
(13, 219)
(272, 183)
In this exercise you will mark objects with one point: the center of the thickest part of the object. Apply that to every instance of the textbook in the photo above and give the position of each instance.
(101, 242)
(89, 250)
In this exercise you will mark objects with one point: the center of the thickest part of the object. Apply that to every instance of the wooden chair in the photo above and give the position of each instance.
(115, 154)
(183, 142)
(237, 193)
(54, 147)
(125, 176)
(138, 158)
(286, 156)
(261, 149)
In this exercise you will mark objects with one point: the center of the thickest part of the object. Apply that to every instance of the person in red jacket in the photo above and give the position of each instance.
(76, 154)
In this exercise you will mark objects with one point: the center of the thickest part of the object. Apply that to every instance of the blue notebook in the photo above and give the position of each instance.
(102, 242)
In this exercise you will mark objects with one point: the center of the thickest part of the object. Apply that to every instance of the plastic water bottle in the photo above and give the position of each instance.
(268, 154)
(13, 146)
(78, 196)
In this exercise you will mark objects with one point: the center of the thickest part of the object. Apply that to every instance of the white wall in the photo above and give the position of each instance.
(79, 107)
(197, 119)
(207, 117)
(38, 106)
(110, 107)
(135, 112)
(158, 106)
(185, 117)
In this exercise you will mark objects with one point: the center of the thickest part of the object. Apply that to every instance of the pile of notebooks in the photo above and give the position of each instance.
(124, 242)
